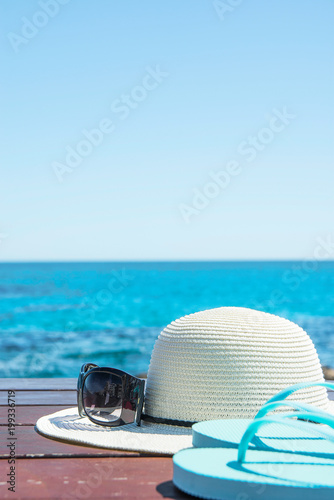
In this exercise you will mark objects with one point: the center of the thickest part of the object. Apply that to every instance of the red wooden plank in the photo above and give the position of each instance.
(29, 443)
(28, 384)
(94, 478)
(41, 398)
(28, 415)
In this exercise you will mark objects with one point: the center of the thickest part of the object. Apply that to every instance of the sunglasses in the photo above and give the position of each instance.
(108, 396)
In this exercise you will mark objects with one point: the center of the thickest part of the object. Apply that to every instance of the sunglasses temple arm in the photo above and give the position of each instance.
(141, 402)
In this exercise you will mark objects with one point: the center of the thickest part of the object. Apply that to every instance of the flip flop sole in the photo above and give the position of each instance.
(215, 473)
(228, 433)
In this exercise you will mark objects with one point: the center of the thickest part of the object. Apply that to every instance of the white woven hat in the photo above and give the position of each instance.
(214, 364)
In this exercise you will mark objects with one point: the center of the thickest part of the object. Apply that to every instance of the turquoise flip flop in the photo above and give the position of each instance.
(225, 474)
(288, 459)
(227, 433)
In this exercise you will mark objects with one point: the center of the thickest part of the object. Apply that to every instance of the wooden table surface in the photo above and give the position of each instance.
(49, 469)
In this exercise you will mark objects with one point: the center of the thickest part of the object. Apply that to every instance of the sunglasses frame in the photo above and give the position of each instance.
(89, 368)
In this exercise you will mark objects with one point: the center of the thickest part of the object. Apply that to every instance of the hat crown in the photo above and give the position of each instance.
(226, 363)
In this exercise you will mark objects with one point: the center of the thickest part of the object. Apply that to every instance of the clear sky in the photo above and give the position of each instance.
(176, 130)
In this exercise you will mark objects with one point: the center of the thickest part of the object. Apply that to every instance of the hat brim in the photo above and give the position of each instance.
(66, 425)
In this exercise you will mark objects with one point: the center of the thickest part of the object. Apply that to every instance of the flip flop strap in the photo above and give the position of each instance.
(293, 404)
(293, 388)
(255, 425)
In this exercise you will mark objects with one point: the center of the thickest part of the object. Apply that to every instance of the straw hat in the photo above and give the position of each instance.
(215, 364)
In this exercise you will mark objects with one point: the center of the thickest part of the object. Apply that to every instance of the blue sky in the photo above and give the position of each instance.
(183, 93)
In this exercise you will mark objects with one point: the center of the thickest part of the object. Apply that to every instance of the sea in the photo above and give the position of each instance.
(56, 316)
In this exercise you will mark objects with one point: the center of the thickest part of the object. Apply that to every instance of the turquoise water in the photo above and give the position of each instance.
(54, 317)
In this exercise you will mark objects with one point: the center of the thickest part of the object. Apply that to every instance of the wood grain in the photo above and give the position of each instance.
(37, 384)
(33, 445)
(28, 415)
(41, 398)
(94, 478)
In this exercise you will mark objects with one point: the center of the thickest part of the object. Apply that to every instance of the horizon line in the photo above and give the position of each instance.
(146, 261)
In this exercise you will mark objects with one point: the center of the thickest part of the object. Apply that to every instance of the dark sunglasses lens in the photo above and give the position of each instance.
(102, 396)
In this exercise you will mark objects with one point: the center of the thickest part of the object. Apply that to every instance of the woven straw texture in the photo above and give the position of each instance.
(226, 362)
